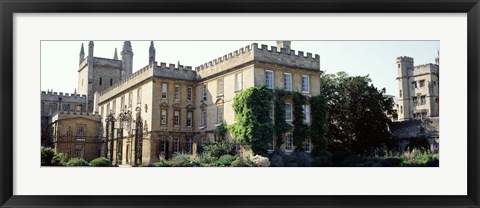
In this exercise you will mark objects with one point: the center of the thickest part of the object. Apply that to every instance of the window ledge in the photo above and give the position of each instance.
(218, 124)
(202, 127)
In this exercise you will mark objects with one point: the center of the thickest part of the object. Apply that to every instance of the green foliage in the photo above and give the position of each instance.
(220, 132)
(356, 110)
(322, 159)
(241, 162)
(218, 149)
(206, 160)
(300, 129)
(163, 163)
(181, 160)
(253, 125)
(50, 158)
(319, 124)
(224, 161)
(77, 162)
(281, 126)
(100, 162)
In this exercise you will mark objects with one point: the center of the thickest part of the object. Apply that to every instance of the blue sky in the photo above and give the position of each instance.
(59, 59)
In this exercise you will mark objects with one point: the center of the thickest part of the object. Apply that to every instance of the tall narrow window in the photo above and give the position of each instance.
(122, 102)
(176, 145)
(189, 118)
(130, 99)
(81, 131)
(400, 93)
(220, 87)
(111, 82)
(189, 93)
(203, 118)
(238, 82)
(100, 81)
(220, 114)
(204, 92)
(414, 85)
(177, 92)
(189, 145)
(423, 100)
(287, 80)
(306, 111)
(176, 118)
(305, 84)
(139, 95)
(289, 142)
(164, 90)
(415, 101)
(269, 79)
(163, 119)
(288, 112)
(401, 109)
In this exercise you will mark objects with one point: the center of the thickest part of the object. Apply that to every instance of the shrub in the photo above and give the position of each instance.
(205, 160)
(299, 159)
(322, 159)
(59, 160)
(220, 148)
(276, 161)
(163, 163)
(224, 161)
(181, 160)
(100, 162)
(47, 155)
(77, 162)
(259, 161)
(240, 162)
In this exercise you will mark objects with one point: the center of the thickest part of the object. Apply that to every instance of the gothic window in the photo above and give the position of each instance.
(163, 117)
(177, 92)
(269, 79)
(189, 118)
(204, 91)
(100, 81)
(220, 87)
(288, 112)
(305, 84)
(189, 93)
(164, 90)
(289, 142)
(238, 82)
(287, 80)
(176, 118)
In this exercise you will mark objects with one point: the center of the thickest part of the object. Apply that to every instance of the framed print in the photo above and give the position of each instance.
(245, 104)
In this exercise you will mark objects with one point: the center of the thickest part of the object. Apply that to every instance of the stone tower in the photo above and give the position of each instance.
(283, 44)
(127, 59)
(404, 71)
(151, 53)
(82, 55)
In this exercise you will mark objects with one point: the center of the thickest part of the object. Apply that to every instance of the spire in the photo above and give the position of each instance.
(90, 50)
(115, 55)
(82, 54)
(127, 48)
(151, 51)
(127, 59)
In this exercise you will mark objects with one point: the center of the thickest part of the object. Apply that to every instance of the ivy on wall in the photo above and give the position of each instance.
(253, 125)
(300, 129)
(281, 126)
(319, 123)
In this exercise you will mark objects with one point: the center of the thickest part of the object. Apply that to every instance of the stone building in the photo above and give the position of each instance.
(418, 96)
(165, 109)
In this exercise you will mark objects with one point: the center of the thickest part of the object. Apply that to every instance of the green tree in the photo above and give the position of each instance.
(357, 113)
(253, 124)
(300, 129)
(319, 123)
(281, 126)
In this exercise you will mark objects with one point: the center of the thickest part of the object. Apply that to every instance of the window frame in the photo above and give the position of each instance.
(308, 84)
(288, 114)
(238, 83)
(163, 117)
(176, 92)
(189, 93)
(164, 90)
(272, 79)
(289, 136)
(287, 87)
(189, 119)
(220, 87)
(176, 118)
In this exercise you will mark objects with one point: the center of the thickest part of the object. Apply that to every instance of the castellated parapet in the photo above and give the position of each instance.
(404, 59)
(61, 115)
(66, 97)
(425, 69)
(264, 54)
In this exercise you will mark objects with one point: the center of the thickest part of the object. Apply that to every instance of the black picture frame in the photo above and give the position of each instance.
(9, 7)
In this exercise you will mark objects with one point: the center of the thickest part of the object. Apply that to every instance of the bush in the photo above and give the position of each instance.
(205, 160)
(100, 162)
(322, 159)
(50, 158)
(181, 160)
(77, 162)
(220, 148)
(299, 159)
(240, 162)
(224, 161)
(276, 161)
(163, 163)
(259, 161)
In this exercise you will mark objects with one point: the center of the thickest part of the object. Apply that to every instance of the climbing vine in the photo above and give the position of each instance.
(281, 126)
(319, 125)
(253, 124)
(220, 132)
(300, 129)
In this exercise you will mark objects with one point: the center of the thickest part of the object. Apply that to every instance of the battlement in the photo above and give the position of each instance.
(61, 115)
(425, 68)
(138, 73)
(405, 59)
(66, 97)
(173, 71)
(173, 66)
